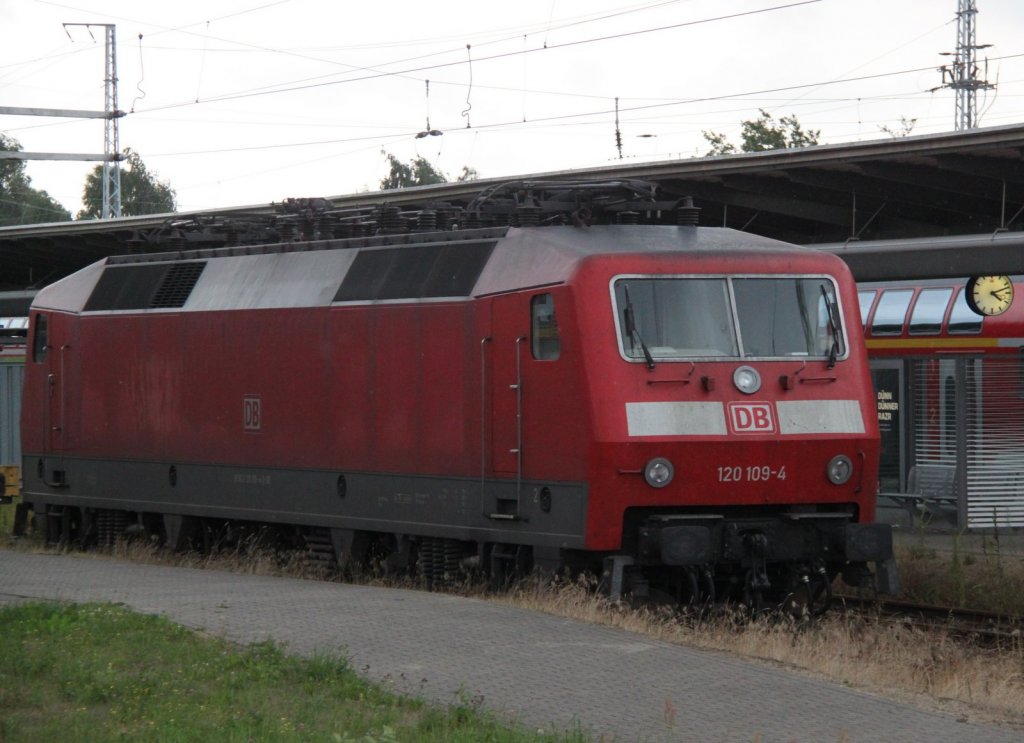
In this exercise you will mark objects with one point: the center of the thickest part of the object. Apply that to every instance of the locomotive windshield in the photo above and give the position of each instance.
(674, 317)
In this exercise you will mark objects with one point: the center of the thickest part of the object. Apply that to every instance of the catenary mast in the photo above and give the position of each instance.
(962, 74)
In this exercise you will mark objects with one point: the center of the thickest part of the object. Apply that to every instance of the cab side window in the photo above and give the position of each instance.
(39, 345)
(544, 341)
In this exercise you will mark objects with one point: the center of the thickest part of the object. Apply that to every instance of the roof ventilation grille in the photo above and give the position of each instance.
(176, 285)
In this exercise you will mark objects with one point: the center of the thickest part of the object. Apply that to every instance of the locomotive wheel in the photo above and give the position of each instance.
(507, 563)
(379, 554)
(809, 594)
(182, 533)
(54, 522)
(696, 590)
(21, 519)
(819, 594)
(87, 532)
(753, 597)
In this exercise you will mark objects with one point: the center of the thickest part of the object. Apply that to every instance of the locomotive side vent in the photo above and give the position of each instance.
(177, 285)
(141, 287)
(414, 272)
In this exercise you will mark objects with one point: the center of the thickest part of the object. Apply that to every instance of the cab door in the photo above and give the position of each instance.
(509, 339)
(51, 353)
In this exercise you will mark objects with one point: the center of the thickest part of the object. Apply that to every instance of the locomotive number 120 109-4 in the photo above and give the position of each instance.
(751, 473)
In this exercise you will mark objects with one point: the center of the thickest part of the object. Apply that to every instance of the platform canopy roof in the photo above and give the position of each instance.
(942, 204)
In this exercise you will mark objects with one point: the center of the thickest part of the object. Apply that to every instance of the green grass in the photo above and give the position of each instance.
(6, 520)
(95, 672)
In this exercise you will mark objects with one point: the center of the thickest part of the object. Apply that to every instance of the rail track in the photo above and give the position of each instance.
(981, 627)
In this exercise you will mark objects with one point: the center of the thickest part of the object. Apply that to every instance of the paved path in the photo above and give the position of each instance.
(537, 669)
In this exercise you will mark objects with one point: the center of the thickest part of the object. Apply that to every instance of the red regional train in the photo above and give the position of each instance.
(950, 389)
(687, 410)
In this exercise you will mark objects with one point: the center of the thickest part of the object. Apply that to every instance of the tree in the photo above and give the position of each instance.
(720, 144)
(19, 202)
(905, 128)
(467, 174)
(142, 192)
(418, 172)
(763, 133)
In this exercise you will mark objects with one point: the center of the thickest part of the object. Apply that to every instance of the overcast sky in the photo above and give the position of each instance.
(238, 102)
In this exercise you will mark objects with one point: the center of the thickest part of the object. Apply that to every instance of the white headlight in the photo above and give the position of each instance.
(840, 468)
(659, 472)
(746, 379)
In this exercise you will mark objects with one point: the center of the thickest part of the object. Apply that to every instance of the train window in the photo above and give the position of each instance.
(929, 310)
(891, 311)
(544, 341)
(39, 345)
(865, 299)
(962, 320)
(673, 318)
(788, 317)
(13, 331)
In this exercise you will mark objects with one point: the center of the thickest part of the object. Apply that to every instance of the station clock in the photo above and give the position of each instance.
(989, 295)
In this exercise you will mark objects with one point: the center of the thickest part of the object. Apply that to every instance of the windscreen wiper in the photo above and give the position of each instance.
(629, 320)
(833, 352)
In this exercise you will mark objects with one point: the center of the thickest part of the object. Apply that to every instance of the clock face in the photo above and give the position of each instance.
(990, 295)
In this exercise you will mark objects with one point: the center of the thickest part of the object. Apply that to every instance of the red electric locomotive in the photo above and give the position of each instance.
(686, 408)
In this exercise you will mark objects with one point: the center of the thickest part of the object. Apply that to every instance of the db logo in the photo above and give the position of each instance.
(251, 414)
(751, 417)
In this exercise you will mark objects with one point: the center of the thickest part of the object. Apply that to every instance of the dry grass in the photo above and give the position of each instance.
(970, 572)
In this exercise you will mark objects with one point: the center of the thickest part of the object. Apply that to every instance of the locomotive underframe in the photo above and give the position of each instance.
(745, 553)
(549, 514)
(687, 539)
(442, 522)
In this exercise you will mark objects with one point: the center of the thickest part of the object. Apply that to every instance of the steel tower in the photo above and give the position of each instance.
(962, 75)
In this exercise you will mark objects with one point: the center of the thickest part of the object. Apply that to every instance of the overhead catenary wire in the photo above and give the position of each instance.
(253, 47)
(864, 64)
(480, 39)
(469, 91)
(502, 55)
(585, 114)
(273, 89)
(573, 106)
(202, 66)
(142, 76)
(37, 207)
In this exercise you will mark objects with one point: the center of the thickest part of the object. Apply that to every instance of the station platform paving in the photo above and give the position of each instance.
(542, 671)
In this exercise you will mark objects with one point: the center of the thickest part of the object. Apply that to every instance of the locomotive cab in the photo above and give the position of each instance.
(738, 456)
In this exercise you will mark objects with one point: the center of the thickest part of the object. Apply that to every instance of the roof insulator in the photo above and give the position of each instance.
(427, 221)
(687, 214)
(529, 216)
(392, 220)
